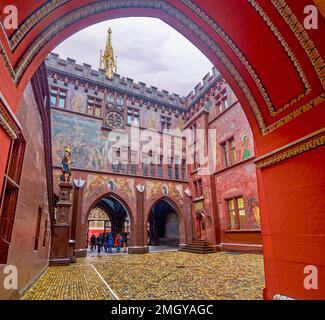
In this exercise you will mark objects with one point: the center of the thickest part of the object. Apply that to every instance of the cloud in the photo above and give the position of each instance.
(147, 50)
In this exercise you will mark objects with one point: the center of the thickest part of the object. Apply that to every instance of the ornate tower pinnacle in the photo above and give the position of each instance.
(108, 60)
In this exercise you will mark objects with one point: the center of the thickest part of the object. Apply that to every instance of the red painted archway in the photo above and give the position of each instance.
(277, 71)
(118, 198)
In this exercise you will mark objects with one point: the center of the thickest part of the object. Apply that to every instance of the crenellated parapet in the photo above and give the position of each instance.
(203, 87)
(85, 74)
(211, 91)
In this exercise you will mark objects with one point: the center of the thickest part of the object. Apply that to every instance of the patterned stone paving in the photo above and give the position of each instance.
(168, 275)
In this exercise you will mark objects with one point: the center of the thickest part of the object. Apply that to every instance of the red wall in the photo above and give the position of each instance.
(32, 195)
(4, 147)
(293, 219)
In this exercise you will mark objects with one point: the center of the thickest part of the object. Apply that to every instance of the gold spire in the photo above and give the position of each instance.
(107, 60)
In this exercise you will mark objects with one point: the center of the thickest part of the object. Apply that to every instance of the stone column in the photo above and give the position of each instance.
(60, 246)
(77, 230)
(139, 239)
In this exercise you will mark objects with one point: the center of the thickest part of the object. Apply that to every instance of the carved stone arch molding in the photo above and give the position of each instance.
(18, 70)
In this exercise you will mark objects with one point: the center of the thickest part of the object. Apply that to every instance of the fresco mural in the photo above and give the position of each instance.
(245, 150)
(156, 189)
(99, 184)
(179, 123)
(150, 122)
(254, 213)
(77, 104)
(95, 185)
(89, 143)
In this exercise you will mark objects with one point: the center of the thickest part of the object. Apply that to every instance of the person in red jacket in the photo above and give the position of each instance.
(118, 243)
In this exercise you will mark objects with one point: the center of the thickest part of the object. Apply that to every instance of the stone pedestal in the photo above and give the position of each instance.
(60, 247)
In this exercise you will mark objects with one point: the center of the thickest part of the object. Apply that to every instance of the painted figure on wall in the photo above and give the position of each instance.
(76, 104)
(246, 153)
(254, 213)
(65, 165)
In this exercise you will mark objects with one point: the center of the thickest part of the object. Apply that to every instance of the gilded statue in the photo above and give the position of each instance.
(65, 165)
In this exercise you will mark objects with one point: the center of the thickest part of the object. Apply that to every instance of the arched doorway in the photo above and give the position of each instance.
(109, 215)
(99, 222)
(163, 226)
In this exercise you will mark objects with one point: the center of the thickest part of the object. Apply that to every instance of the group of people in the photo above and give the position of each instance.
(106, 242)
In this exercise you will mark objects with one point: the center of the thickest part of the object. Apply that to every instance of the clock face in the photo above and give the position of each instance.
(114, 120)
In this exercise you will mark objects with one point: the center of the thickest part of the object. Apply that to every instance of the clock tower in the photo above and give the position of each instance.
(114, 114)
(114, 105)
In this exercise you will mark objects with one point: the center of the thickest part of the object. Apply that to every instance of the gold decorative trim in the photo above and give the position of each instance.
(288, 51)
(7, 63)
(296, 113)
(32, 20)
(305, 144)
(303, 37)
(6, 122)
(228, 41)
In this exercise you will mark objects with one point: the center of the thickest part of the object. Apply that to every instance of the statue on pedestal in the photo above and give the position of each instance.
(65, 165)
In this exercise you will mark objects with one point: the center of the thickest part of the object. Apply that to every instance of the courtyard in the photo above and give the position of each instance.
(159, 275)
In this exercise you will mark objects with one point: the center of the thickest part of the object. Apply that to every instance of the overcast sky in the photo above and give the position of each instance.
(147, 50)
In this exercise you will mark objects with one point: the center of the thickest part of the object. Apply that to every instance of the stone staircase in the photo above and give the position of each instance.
(198, 246)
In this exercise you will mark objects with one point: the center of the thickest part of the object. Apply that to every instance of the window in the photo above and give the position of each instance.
(198, 188)
(183, 170)
(194, 128)
(45, 233)
(222, 102)
(38, 228)
(133, 117)
(124, 167)
(119, 101)
(166, 123)
(133, 168)
(229, 152)
(159, 168)
(170, 169)
(236, 211)
(232, 214)
(10, 194)
(110, 98)
(116, 166)
(196, 163)
(94, 106)
(176, 167)
(152, 169)
(233, 150)
(144, 169)
(58, 97)
(225, 99)
(133, 161)
(241, 212)
(224, 148)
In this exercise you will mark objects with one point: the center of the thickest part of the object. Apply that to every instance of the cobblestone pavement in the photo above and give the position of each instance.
(168, 275)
